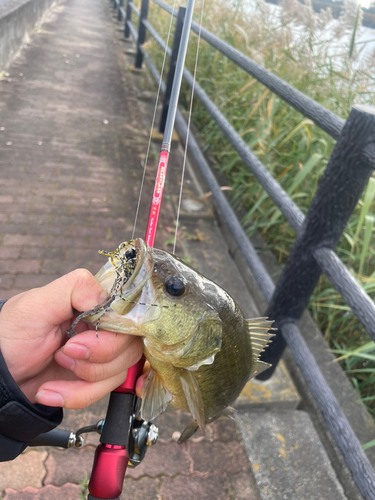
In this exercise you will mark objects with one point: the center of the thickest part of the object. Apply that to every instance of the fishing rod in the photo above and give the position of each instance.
(112, 454)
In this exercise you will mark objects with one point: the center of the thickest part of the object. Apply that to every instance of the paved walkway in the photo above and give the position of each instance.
(71, 144)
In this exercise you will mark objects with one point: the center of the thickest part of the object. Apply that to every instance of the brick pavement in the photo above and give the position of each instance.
(71, 144)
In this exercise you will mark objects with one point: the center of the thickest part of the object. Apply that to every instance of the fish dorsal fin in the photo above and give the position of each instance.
(155, 397)
(193, 397)
(259, 329)
(259, 367)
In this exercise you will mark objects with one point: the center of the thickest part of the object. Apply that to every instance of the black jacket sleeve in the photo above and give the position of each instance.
(20, 420)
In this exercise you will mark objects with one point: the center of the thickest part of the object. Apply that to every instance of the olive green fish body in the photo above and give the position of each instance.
(221, 382)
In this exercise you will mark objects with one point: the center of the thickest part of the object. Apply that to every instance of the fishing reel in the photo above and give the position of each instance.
(141, 435)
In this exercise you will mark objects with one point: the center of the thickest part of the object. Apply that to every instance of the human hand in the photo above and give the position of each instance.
(49, 368)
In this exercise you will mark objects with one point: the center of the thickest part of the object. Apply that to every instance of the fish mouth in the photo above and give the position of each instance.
(125, 274)
(126, 279)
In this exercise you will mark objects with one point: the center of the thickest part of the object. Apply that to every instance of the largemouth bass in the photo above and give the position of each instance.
(200, 347)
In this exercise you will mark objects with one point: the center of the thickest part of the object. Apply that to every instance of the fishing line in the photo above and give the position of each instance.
(153, 120)
(188, 128)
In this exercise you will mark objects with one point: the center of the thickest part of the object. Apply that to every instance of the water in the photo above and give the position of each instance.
(7, 6)
(365, 37)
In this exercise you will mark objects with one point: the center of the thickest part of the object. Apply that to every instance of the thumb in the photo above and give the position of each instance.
(76, 290)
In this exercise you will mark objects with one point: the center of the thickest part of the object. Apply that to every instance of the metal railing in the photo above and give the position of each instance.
(346, 175)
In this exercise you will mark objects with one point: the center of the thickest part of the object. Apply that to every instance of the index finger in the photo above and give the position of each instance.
(101, 347)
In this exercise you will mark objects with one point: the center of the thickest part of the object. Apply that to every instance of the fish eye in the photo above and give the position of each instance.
(130, 254)
(175, 286)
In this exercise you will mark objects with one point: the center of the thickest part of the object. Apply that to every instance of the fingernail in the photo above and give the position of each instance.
(49, 398)
(65, 361)
(103, 295)
(77, 351)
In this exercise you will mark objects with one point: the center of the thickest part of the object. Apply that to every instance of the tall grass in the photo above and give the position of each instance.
(320, 57)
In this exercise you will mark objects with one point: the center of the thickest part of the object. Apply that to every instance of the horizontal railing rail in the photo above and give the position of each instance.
(133, 31)
(134, 9)
(347, 173)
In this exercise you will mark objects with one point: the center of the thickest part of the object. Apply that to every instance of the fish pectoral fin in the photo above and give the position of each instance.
(188, 432)
(155, 397)
(193, 397)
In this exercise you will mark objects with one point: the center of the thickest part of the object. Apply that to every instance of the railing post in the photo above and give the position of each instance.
(119, 16)
(128, 18)
(346, 175)
(172, 66)
(141, 34)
